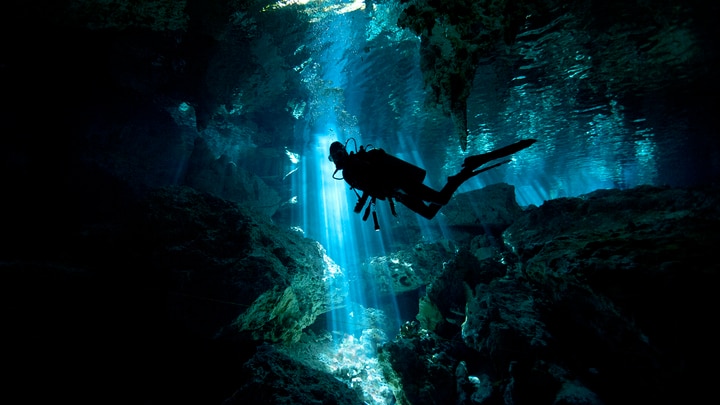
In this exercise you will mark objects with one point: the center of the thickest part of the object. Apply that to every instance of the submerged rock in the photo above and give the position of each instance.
(406, 269)
(596, 299)
(420, 366)
(501, 322)
(276, 378)
(488, 210)
(273, 282)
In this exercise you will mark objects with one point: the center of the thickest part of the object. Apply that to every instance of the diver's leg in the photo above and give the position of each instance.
(421, 192)
(424, 193)
(454, 182)
(417, 205)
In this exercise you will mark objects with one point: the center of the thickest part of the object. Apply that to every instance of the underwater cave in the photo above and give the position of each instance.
(177, 231)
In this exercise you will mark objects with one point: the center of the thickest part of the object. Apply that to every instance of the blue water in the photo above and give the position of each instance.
(611, 107)
(612, 110)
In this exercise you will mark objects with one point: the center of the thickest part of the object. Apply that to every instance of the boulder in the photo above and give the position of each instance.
(597, 299)
(405, 269)
(273, 377)
(489, 210)
(235, 272)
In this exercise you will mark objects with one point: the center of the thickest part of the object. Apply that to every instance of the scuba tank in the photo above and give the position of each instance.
(398, 169)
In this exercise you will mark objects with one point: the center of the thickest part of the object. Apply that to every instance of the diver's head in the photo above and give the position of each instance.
(338, 154)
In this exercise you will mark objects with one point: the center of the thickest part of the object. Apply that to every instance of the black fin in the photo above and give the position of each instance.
(473, 162)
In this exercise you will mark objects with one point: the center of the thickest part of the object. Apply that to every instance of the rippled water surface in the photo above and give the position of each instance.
(614, 100)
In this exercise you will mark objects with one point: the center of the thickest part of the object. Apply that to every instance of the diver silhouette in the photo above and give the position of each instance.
(381, 176)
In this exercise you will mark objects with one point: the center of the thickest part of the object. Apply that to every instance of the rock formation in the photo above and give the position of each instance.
(596, 299)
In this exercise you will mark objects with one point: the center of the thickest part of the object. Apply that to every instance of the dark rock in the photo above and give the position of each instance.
(603, 302)
(271, 283)
(275, 378)
(222, 177)
(420, 366)
(605, 266)
(405, 270)
(181, 282)
(442, 310)
(489, 210)
(502, 322)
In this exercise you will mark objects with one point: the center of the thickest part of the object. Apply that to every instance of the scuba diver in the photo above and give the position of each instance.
(381, 176)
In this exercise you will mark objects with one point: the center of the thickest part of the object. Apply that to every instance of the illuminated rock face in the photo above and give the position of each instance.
(405, 270)
(276, 282)
(476, 218)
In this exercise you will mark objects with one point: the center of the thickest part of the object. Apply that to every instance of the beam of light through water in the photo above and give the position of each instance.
(581, 143)
(327, 203)
(364, 82)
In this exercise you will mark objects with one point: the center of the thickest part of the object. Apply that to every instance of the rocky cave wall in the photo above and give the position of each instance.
(604, 298)
(597, 299)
